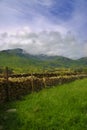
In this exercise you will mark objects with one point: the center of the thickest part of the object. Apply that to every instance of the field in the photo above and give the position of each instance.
(63, 107)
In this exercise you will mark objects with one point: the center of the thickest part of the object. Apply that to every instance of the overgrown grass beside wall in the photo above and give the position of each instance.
(58, 108)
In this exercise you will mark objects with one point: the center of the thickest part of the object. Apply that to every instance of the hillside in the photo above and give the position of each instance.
(58, 108)
(20, 61)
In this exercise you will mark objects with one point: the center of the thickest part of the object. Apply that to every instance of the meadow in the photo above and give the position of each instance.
(62, 107)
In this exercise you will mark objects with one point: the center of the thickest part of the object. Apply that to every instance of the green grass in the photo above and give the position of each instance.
(58, 108)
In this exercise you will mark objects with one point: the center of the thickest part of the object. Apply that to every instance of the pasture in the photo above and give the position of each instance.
(63, 107)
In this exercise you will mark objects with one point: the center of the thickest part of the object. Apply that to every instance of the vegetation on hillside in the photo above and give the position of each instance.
(21, 62)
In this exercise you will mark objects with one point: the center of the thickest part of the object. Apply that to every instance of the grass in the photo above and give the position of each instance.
(58, 108)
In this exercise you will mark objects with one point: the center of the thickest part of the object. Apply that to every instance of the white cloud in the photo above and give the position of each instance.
(44, 42)
(47, 3)
(77, 23)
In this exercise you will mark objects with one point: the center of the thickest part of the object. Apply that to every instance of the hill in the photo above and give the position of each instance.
(20, 61)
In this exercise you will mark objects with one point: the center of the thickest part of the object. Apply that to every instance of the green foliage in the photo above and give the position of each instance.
(59, 108)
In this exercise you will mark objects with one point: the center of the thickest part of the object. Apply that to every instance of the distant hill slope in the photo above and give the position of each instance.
(18, 60)
(21, 61)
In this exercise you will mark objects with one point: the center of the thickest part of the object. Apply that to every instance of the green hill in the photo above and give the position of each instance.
(20, 61)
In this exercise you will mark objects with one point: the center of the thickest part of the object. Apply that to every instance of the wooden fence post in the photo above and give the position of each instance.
(32, 82)
(44, 79)
(6, 76)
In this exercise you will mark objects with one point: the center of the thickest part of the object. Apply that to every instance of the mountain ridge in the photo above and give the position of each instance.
(21, 51)
(20, 60)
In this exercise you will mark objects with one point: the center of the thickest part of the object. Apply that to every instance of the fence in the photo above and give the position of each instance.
(12, 88)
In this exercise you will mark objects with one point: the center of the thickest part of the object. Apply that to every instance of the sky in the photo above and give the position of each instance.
(50, 27)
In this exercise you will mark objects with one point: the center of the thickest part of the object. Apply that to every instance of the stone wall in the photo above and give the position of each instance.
(15, 88)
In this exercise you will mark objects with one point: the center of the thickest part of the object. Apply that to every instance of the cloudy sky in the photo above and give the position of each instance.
(53, 27)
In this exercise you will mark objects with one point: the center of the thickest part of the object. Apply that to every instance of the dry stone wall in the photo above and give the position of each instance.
(15, 88)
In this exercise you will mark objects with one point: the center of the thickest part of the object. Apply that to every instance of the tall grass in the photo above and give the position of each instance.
(58, 108)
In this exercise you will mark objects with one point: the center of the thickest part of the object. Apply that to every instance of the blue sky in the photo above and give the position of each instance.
(21, 17)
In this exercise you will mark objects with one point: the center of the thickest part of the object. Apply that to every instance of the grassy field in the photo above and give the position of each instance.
(58, 108)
